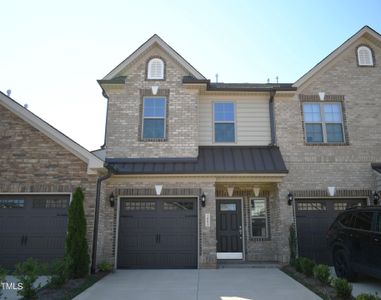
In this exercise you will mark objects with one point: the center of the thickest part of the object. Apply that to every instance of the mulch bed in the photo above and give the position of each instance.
(323, 291)
(70, 289)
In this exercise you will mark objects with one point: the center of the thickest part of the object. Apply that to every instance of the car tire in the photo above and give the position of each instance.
(342, 265)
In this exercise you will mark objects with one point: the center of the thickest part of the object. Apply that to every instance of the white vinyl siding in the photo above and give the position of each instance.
(252, 121)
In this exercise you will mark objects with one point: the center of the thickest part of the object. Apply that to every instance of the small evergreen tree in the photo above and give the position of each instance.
(76, 243)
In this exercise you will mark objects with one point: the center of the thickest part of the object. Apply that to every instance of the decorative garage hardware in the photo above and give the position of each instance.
(290, 198)
(256, 191)
(230, 191)
(331, 191)
(112, 199)
(376, 198)
(154, 88)
(321, 96)
(158, 189)
(203, 199)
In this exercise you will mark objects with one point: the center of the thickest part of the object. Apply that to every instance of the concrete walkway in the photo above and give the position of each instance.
(220, 284)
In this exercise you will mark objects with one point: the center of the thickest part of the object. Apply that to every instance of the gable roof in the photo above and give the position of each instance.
(155, 39)
(90, 159)
(363, 31)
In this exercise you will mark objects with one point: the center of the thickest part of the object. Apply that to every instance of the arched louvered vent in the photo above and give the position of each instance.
(155, 69)
(364, 56)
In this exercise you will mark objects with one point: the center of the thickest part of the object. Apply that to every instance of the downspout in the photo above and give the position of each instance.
(96, 218)
(272, 117)
(108, 100)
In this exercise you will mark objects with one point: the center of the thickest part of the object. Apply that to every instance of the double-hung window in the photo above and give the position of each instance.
(224, 122)
(258, 211)
(154, 117)
(323, 122)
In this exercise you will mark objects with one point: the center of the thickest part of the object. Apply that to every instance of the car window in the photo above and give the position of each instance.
(346, 220)
(378, 222)
(363, 220)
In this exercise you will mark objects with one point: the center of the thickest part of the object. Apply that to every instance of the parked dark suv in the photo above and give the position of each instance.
(354, 240)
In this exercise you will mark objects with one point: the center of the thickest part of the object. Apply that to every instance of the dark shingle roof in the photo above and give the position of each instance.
(211, 160)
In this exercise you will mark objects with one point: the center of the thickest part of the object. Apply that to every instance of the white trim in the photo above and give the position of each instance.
(155, 196)
(267, 218)
(229, 255)
(155, 39)
(92, 161)
(336, 53)
(227, 122)
(155, 118)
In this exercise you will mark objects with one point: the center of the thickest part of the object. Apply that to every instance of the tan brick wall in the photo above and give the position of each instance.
(31, 162)
(124, 118)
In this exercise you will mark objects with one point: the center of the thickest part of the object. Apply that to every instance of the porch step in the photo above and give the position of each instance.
(224, 264)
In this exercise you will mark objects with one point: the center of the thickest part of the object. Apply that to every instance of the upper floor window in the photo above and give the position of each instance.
(154, 117)
(155, 69)
(224, 122)
(364, 56)
(323, 122)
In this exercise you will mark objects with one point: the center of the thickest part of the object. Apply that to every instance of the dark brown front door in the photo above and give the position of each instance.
(229, 228)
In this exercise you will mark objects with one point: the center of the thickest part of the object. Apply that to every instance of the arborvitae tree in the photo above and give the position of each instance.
(76, 244)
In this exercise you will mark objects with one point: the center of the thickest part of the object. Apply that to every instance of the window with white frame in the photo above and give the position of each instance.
(364, 56)
(224, 122)
(323, 122)
(258, 215)
(155, 69)
(154, 117)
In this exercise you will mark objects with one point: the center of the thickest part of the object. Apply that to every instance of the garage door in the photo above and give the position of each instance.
(157, 233)
(32, 226)
(313, 218)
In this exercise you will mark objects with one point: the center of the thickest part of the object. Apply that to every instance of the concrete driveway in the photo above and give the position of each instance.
(221, 284)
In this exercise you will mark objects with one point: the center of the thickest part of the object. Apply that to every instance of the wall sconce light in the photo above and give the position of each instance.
(203, 199)
(256, 191)
(290, 198)
(112, 199)
(321, 96)
(376, 198)
(331, 191)
(230, 191)
(154, 89)
(158, 189)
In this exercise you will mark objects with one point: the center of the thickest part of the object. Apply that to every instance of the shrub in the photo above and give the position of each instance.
(368, 297)
(105, 266)
(27, 273)
(3, 273)
(76, 244)
(297, 264)
(322, 273)
(307, 266)
(59, 272)
(343, 288)
(292, 243)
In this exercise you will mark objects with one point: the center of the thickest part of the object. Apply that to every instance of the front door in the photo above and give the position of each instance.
(229, 229)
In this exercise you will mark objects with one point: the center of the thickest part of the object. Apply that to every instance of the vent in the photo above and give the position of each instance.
(364, 56)
(155, 69)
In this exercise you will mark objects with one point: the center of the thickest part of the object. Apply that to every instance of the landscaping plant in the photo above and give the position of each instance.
(322, 273)
(3, 273)
(307, 265)
(368, 297)
(292, 243)
(105, 266)
(343, 288)
(297, 264)
(76, 243)
(27, 273)
(59, 270)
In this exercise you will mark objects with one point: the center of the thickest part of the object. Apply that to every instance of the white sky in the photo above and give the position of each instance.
(52, 52)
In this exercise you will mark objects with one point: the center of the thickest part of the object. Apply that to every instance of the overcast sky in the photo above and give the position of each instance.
(52, 52)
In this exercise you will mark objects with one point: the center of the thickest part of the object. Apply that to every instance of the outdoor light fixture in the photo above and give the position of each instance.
(158, 188)
(331, 191)
(203, 199)
(112, 199)
(256, 191)
(321, 96)
(230, 191)
(290, 198)
(154, 89)
(376, 198)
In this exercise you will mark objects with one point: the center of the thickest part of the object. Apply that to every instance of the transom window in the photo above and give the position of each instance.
(258, 213)
(224, 122)
(323, 122)
(10, 203)
(364, 56)
(155, 69)
(154, 117)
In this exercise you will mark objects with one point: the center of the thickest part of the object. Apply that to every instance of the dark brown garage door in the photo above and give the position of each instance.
(32, 226)
(157, 233)
(313, 218)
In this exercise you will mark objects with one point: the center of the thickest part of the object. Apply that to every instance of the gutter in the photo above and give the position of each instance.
(96, 219)
(272, 117)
